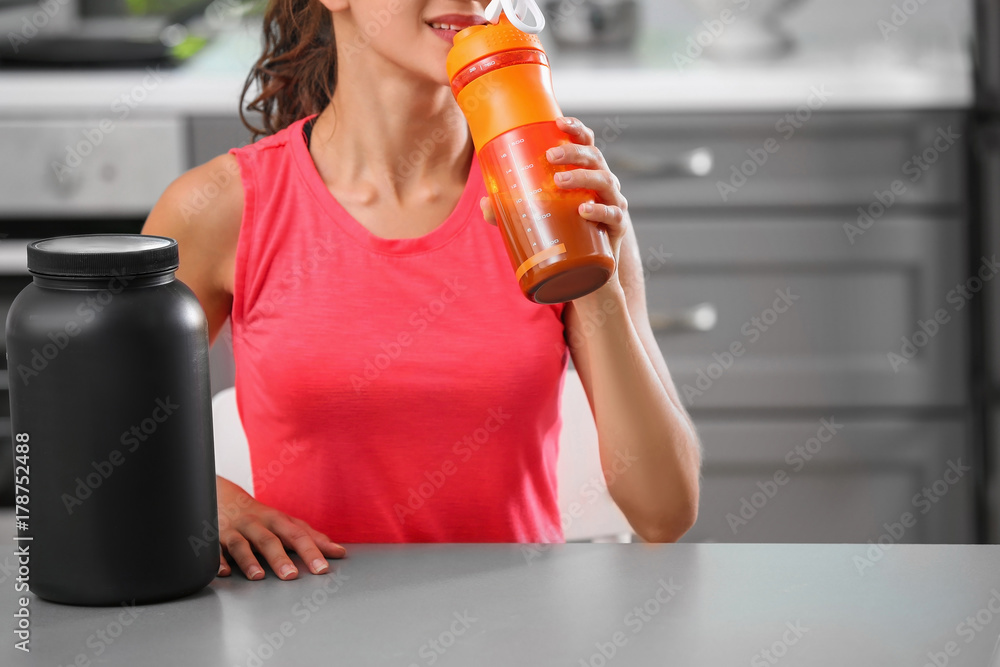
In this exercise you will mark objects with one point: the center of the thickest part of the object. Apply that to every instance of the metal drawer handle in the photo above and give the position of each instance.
(697, 319)
(693, 164)
(13, 257)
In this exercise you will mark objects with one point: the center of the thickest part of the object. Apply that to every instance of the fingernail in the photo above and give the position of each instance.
(588, 208)
(562, 177)
(320, 565)
(287, 571)
(255, 572)
(341, 551)
(556, 153)
(568, 121)
(222, 568)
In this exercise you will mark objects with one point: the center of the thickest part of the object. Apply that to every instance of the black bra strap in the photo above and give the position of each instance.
(307, 129)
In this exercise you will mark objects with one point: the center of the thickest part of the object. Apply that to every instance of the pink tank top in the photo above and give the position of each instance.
(392, 390)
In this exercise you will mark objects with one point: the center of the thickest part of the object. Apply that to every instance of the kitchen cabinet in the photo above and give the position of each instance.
(828, 478)
(799, 316)
(76, 167)
(778, 159)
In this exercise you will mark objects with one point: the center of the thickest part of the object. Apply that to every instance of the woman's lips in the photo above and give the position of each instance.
(447, 34)
(446, 27)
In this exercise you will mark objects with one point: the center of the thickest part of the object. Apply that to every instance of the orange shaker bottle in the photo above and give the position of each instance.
(501, 79)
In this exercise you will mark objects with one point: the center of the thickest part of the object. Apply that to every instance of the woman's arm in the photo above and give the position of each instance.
(641, 423)
(204, 218)
(642, 426)
(203, 210)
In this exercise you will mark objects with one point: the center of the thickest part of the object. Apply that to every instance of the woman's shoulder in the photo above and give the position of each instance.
(203, 211)
(204, 200)
(278, 140)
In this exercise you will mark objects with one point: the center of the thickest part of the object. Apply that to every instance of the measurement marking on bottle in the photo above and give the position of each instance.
(551, 251)
(534, 240)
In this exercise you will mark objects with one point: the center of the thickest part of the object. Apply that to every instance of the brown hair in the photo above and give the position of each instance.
(298, 69)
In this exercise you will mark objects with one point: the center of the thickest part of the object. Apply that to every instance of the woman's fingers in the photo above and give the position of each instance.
(591, 173)
(577, 131)
(263, 530)
(488, 214)
(612, 216)
(576, 154)
(329, 548)
(298, 539)
(270, 547)
(240, 551)
(600, 181)
(224, 569)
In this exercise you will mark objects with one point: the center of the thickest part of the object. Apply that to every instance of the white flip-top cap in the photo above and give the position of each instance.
(517, 11)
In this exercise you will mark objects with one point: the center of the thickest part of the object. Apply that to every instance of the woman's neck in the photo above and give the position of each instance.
(389, 130)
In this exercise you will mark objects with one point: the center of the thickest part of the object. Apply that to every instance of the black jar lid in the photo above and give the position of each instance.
(102, 255)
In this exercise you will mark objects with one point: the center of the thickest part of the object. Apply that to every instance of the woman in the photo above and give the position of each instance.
(385, 358)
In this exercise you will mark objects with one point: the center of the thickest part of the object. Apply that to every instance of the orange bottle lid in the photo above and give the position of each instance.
(478, 41)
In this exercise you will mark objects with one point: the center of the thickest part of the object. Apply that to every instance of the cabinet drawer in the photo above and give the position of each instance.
(866, 474)
(831, 159)
(83, 168)
(715, 305)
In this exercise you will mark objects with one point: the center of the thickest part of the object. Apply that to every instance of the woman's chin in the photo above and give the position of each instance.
(437, 73)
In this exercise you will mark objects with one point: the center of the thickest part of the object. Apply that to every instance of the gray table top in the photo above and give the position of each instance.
(694, 604)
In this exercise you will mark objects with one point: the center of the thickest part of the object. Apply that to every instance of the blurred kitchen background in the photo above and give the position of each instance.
(813, 185)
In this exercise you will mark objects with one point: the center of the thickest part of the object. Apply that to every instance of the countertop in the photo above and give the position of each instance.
(859, 69)
(683, 604)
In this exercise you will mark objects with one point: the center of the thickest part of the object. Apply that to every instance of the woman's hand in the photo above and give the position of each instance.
(246, 525)
(611, 208)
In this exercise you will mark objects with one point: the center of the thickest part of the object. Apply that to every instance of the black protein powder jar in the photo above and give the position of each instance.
(107, 356)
